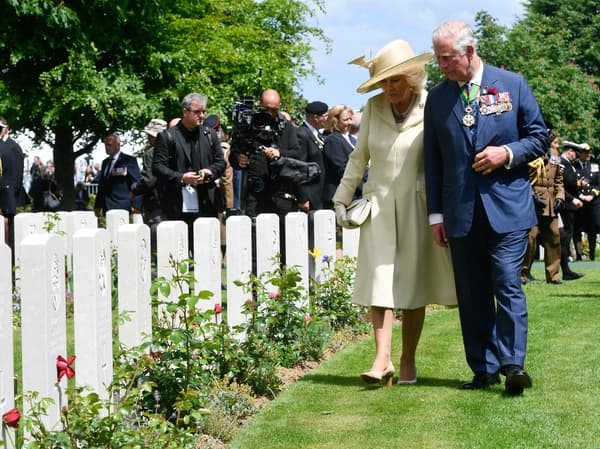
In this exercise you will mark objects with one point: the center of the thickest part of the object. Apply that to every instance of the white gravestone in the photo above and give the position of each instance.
(114, 220)
(93, 309)
(171, 246)
(324, 241)
(207, 261)
(296, 245)
(70, 223)
(7, 398)
(350, 238)
(239, 266)
(43, 319)
(267, 245)
(134, 284)
(26, 223)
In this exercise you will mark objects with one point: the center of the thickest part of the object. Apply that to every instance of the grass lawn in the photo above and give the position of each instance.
(332, 409)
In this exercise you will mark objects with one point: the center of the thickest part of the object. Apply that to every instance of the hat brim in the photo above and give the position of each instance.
(398, 69)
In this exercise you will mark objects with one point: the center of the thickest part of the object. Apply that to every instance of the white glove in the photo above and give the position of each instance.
(340, 214)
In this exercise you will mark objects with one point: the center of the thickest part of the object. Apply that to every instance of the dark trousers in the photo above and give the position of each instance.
(491, 302)
(568, 219)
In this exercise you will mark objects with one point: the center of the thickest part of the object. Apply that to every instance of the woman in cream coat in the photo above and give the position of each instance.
(399, 265)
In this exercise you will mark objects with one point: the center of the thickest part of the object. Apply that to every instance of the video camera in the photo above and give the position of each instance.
(254, 129)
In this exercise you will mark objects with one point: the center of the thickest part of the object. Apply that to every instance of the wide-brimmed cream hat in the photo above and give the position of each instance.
(394, 59)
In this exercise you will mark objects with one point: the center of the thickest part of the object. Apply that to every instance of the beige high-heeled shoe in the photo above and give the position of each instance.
(376, 376)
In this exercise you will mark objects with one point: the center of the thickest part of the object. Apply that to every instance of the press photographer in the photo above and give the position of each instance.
(261, 139)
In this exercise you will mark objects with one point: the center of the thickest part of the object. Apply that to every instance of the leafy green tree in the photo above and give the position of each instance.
(74, 70)
(580, 22)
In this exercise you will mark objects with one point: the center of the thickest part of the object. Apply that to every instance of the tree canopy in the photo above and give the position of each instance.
(543, 50)
(74, 70)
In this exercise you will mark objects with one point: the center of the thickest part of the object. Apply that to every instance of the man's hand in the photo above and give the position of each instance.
(490, 159)
(577, 203)
(305, 206)
(192, 178)
(243, 160)
(439, 234)
(271, 153)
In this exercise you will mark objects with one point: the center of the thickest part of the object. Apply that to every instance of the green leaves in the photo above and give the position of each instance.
(546, 47)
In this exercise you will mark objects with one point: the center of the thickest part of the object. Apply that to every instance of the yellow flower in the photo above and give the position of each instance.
(316, 252)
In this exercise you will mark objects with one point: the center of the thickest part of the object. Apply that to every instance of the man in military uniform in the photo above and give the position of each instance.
(549, 198)
(588, 219)
(572, 205)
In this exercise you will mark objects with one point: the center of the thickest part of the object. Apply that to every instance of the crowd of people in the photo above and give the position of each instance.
(464, 182)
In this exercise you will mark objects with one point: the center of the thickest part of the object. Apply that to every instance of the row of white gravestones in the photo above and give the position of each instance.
(6, 339)
(42, 283)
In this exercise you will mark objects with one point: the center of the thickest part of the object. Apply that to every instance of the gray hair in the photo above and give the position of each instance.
(460, 33)
(186, 103)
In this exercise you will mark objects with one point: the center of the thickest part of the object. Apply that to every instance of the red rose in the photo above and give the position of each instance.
(218, 308)
(11, 418)
(63, 367)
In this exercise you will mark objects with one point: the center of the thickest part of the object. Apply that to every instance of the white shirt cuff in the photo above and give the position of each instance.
(435, 219)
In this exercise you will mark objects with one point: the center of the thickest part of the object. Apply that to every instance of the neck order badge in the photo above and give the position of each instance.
(469, 93)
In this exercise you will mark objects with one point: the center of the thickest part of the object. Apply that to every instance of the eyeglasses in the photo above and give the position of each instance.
(197, 111)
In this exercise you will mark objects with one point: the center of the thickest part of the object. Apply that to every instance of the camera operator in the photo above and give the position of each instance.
(270, 137)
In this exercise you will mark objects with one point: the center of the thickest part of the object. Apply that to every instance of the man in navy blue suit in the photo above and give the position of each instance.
(482, 126)
(118, 173)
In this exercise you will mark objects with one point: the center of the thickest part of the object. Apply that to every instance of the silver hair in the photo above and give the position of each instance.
(189, 98)
(461, 34)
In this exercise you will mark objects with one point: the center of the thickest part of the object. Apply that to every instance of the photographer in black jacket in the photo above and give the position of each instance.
(270, 137)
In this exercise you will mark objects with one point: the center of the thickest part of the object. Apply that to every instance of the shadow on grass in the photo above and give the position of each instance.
(332, 379)
(586, 296)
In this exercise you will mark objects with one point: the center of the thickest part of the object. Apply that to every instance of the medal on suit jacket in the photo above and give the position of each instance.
(469, 94)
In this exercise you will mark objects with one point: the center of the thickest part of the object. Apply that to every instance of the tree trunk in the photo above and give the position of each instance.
(64, 160)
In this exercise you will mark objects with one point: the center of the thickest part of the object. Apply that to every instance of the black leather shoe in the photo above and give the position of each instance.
(555, 282)
(517, 379)
(572, 276)
(481, 380)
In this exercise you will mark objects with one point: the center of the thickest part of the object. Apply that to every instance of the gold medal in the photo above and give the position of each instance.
(468, 119)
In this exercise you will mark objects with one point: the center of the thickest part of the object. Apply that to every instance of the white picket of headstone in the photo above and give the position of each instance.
(324, 241)
(137, 218)
(296, 245)
(134, 267)
(114, 220)
(43, 319)
(350, 239)
(93, 309)
(7, 398)
(239, 266)
(27, 223)
(207, 260)
(73, 222)
(267, 245)
(171, 245)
